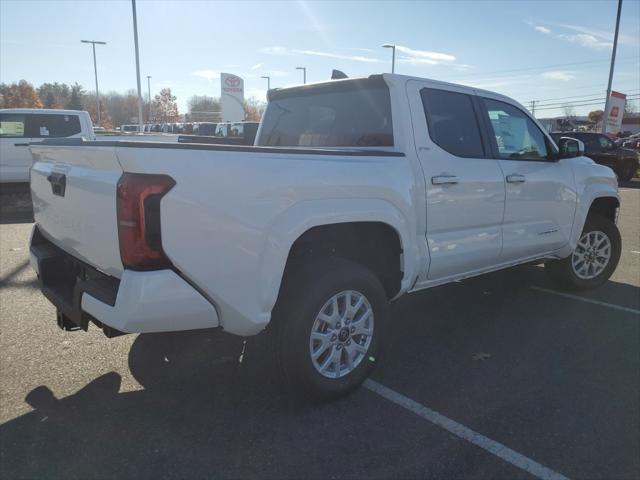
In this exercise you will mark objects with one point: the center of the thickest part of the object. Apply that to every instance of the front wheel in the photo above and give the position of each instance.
(593, 260)
(327, 326)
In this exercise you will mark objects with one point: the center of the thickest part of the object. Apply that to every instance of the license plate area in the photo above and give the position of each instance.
(64, 279)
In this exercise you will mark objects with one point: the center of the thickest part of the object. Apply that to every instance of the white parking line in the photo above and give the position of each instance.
(491, 446)
(634, 251)
(587, 300)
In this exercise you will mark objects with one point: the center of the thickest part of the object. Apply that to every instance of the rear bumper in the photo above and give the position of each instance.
(138, 302)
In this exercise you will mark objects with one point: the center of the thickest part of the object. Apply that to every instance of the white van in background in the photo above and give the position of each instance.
(20, 126)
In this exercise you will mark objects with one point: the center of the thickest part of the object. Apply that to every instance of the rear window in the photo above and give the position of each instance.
(344, 114)
(12, 125)
(452, 122)
(52, 126)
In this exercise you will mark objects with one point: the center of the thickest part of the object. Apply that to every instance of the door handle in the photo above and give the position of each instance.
(516, 178)
(20, 144)
(444, 180)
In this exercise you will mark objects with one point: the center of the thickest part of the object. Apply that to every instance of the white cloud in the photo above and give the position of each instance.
(355, 58)
(424, 56)
(589, 41)
(541, 29)
(256, 66)
(603, 35)
(274, 50)
(562, 75)
(207, 74)
(317, 53)
(586, 37)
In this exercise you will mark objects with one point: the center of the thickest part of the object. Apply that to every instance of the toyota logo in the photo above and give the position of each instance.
(232, 81)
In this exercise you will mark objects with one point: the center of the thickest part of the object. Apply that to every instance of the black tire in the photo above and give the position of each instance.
(306, 288)
(626, 172)
(562, 272)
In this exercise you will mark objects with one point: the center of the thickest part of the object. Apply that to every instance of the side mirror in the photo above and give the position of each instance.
(570, 147)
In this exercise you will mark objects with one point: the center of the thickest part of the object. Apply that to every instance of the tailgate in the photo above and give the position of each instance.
(73, 189)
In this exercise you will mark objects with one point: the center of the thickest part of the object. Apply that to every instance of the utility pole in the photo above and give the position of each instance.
(304, 74)
(135, 39)
(149, 96)
(95, 69)
(533, 107)
(613, 61)
(268, 82)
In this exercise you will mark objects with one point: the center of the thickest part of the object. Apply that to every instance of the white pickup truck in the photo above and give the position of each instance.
(356, 192)
(21, 126)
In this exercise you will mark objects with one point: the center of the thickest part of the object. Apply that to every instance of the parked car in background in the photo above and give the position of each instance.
(130, 128)
(632, 142)
(246, 130)
(356, 192)
(601, 149)
(237, 133)
(222, 130)
(207, 128)
(20, 126)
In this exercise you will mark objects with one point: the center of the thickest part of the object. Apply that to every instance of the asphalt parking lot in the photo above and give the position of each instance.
(494, 377)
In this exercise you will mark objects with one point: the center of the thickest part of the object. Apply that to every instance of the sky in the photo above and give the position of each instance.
(552, 52)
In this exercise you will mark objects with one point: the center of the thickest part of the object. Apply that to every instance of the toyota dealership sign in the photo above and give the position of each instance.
(232, 97)
(615, 112)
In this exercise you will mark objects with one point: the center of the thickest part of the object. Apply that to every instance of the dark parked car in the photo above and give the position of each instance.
(601, 149)
(207, 128)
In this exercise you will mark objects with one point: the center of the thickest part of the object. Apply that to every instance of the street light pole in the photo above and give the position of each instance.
(149, 96)
(393, 55)
(95, 70)
(304, 74)
(613, 61)
(135, 39)
(268, 82)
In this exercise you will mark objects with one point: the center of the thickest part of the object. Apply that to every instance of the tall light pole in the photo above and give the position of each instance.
(304, 74)
(95, 70)
(393, 55)
(135, 39)
(149, 96)
(613, 61)
(268, 82)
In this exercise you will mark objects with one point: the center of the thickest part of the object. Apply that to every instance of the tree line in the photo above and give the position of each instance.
(117, 108)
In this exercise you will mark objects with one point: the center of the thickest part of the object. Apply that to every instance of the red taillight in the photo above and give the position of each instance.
(138, 204)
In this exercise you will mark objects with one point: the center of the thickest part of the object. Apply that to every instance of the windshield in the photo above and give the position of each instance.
(349, 114)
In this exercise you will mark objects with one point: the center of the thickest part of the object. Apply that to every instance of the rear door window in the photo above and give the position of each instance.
(12, 125)
(517, 137)
(352, 113)
(52, 126)
(452, 122)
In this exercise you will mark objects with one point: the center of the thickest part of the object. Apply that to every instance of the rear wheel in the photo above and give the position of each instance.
(593, 260)
(327, 325)
(627, 171)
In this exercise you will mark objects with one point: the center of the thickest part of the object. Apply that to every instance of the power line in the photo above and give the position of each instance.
(585, 95)
(580, 104)
(598, 99)
(593, 99)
